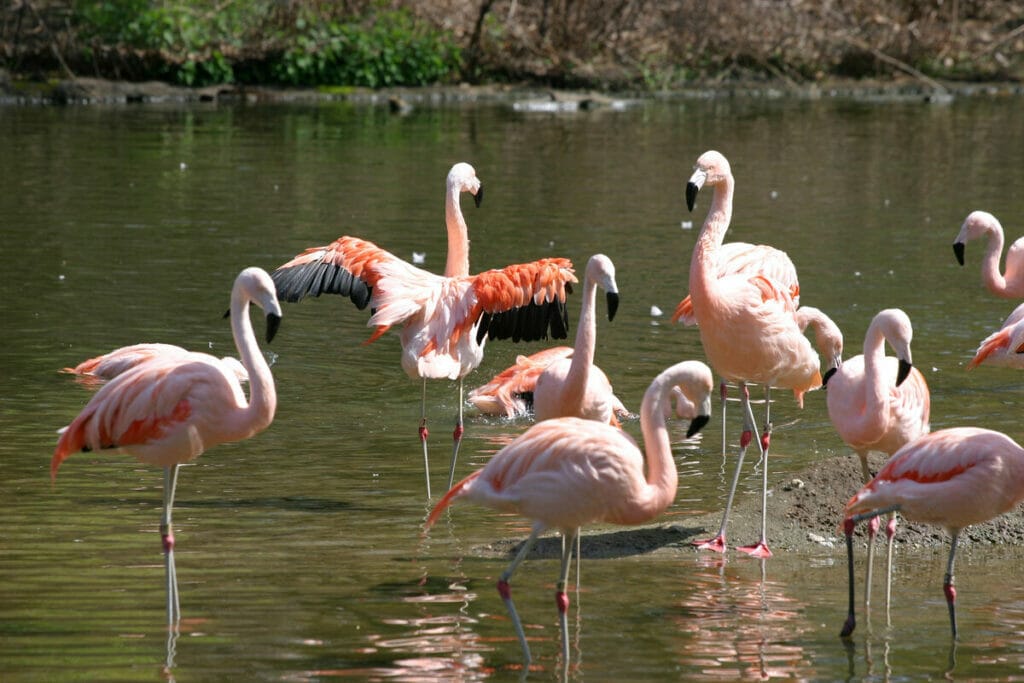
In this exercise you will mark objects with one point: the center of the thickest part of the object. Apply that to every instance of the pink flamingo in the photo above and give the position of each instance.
(951, 478)
(565, 472)
(748, 328)
(742, 258)
(446, 318)
(978, 224)
(880, 403)
(1004, 348)
(510, 392)
(827, 336)
(575, 386)
(95, 371)
(169, 410)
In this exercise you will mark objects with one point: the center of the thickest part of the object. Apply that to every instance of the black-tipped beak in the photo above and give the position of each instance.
(691, 195)
(613, 304)
(273, 322)
(958, 251)
(828, 376)
(227, 314)
(696, 424)
(903, 372)
(478, 198)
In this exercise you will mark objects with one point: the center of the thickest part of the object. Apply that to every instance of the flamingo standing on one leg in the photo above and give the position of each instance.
(95, 371)
(575, 387)
(880, 403)
(167, 411)
(979, 224)
(446, 318)
(951, 478)
(1004, 348)
(742, 258)
(748, 328)
(566, 472)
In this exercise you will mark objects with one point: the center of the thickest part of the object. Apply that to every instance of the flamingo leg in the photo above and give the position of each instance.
(890, 532)
(505, 590)
(717, 544)
(561, 598)
(424, 433)
(167, 537)
(723, 390)
(873, 524)
(457, 439)
(760, 549)
(851, 619)
(947, 584)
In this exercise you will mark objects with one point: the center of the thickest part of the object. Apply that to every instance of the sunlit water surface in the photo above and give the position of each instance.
(299, 553)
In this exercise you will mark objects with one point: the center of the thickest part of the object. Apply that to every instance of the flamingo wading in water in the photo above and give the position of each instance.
(950, 478)
(575, 387)
(170, 409)
(981, 224)
(565, 472)
(748, 327)
(446, 318)
(880, 403)
(95, 371)
(1004, 348)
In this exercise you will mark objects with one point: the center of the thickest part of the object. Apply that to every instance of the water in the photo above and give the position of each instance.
(299, 552)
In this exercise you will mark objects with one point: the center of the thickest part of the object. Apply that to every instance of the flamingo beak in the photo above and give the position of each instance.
(613, 304)
(478, 198)
(958, 251)
(273, 322)
(828, 376)
(696, 424)
(903, 372)
(693, 187)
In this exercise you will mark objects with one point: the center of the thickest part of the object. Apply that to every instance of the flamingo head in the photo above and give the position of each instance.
(601, 271)
(711, 168)
(462, 178)
(977, 224)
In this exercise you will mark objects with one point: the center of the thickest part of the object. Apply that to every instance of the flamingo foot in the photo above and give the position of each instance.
(759, 549)
(716, 544)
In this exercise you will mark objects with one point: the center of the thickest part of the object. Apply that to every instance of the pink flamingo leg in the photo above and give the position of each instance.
(457, 440)
(424, 433)
(760, 549)
(561, 599)
(167, 538)
(505, 590)
(723, 390)
(890, 533)
(717, 544)
(947, 584)
(873, 525)
(851, 619)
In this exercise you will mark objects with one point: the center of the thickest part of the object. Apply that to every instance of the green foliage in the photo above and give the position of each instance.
(193, 41)
(387, 49)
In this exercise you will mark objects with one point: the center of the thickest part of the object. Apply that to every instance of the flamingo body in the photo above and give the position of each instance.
(983, 225)
(109, 365)
(565, 472)
(575, 386)
(1004, 348)
(510, 392)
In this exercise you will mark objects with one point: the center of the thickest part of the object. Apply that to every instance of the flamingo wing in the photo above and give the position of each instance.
(524, 302)
(511, 390)
(347, 266)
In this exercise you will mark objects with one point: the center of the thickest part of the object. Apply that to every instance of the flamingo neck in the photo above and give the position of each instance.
(458, 236)
(704, 262)
(990, 274)
(259, 413)
(662, 476)
(874, 420)
(575, 387)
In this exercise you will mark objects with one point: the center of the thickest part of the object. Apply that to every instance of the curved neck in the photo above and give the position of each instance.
(990, 274)
(875, 417)
(262, 394)
(703, 263)
(458, 236)
(575, 386)
(662, 477)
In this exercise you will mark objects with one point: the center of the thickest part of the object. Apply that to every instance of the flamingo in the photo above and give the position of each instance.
(951, 478)
(748, 328)
(1004, 348)
(167, 411)
(880, 403)
(575, 386)
(447, 318)
(95, 371)
(978, 224)
(565, 472)
(827, 336)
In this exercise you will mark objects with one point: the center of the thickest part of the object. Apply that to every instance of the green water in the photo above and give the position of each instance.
(299, 552)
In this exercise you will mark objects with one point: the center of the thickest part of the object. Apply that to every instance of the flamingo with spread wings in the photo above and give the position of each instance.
(446, 318)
